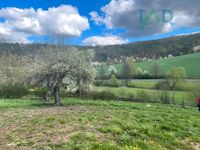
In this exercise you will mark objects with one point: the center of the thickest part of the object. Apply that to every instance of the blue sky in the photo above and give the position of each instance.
(110, 25)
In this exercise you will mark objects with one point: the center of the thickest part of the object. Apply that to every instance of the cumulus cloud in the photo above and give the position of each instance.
(96, 18)
(127, 14)
(20, 24)
(104, 40)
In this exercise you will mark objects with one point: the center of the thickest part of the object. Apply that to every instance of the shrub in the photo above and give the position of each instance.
(105, 95)
(39, 92)
(143, 96)
(122, 93)
(154, 98)
(112, 82)
(98, 83)
(183, 87)
(164, 97)
(131, 96)
(161, 85)
(12, 90)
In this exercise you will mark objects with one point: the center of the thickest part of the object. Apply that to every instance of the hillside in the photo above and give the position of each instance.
(190, 62)
(152, 49)
(176, 46)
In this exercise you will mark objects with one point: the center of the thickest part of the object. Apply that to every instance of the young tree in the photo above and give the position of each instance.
(174, 77)
(155, 70)
(113, 81)
(53, 65)
(129, 69)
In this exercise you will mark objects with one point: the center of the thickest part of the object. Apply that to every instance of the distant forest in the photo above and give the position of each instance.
(151, 49)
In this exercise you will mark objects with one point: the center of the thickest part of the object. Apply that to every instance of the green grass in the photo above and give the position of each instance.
(190, 62)
(125, 92)
(147, 84)
(150, 84)
(99, 125)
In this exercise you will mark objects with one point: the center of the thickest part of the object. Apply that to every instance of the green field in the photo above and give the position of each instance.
(125, 92)
(190, 62)
(182, 92)
(100, 125)
(146, 84)
(150, 84)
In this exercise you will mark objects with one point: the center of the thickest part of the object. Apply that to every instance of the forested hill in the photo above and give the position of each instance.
(152, 49)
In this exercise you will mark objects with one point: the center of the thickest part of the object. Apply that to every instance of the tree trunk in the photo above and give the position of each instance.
(56, 92)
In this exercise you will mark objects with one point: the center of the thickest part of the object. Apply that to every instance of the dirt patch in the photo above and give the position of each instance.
(66, 138)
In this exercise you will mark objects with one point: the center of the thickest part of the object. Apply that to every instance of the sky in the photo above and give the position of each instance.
(96, 22)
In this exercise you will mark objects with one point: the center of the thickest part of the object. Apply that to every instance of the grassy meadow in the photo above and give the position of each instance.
(122, 92)
(190, 62)
(87, 124)
(151, 83)
(182, 92)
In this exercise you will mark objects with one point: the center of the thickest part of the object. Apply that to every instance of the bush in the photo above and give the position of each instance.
(39, 92)
(143, 96)
(122, 92)
(161, 85)
(164, 97)
(131, 96)
(105, 95)
(12, 90)
(113, 82)
(98, 83)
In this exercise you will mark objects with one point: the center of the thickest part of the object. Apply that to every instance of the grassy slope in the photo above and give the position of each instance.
(85, 124)
(190, 62)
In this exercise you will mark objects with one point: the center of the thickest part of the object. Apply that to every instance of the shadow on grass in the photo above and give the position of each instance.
(43, 105)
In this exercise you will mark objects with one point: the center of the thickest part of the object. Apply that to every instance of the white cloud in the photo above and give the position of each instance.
(20, 24)
(104, 40)
(125, 14)
(96, 18)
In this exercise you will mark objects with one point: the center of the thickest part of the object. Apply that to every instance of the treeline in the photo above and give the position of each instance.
(154, 49)
(151, 49)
